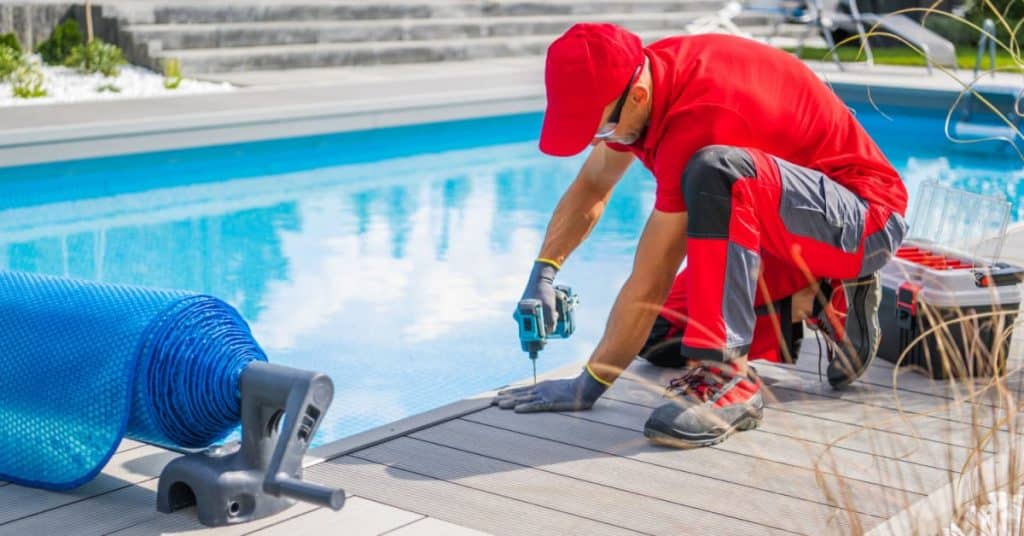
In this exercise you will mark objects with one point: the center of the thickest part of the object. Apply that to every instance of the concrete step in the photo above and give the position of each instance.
(314, 55)
(248, 34)
(761, 29)
(231, 12)
(213, 60)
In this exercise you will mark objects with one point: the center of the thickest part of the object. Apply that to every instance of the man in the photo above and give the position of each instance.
(766, 184)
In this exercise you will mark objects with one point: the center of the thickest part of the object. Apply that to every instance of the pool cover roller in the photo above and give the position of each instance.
(85, 364)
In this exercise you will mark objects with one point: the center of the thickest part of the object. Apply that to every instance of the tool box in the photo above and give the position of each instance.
(948, 304)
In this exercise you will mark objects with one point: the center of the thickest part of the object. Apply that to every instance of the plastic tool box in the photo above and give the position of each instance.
(948, 303)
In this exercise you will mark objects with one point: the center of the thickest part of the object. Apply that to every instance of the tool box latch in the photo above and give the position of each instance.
(906, 303)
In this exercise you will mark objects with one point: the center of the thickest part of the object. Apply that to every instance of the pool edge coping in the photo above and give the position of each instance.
(20, 147)
(414, 423)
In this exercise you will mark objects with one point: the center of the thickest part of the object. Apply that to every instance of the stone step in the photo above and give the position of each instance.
(220, 12)
(248, 34)
(297, 56)
(204, 61)
(761, 29)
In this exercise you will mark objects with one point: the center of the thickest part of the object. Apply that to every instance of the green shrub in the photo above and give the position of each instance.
(956, 31)
(66, 36)
(10, 60)
(1010, 11)
(27, 81)
(10, 40)
(108, 88)
(172, 73)
(96, 57)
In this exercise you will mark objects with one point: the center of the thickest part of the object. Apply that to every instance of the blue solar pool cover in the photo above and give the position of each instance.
(83, 364)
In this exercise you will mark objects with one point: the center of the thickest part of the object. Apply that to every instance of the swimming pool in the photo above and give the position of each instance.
(390, 259)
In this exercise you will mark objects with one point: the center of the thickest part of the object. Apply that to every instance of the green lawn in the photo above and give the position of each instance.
(966, 57)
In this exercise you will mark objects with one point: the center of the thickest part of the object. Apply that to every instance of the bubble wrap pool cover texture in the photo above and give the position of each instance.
(83, 364)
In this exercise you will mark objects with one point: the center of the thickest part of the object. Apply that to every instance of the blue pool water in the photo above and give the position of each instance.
(389, 259)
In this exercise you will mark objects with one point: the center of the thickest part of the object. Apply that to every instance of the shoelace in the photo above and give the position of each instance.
(822, 325)
(694, 381)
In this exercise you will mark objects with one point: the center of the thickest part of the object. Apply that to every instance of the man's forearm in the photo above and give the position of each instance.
(575, 216)
(629, 325)
(659, 254)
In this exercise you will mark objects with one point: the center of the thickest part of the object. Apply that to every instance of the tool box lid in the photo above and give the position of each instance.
(948, 288)
(958, 222)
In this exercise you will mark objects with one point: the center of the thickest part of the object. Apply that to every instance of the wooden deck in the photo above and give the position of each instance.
(822, 462)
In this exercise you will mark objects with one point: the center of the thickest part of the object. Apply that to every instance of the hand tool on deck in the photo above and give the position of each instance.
(533, 334)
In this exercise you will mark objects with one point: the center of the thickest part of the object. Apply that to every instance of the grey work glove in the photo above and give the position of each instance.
(541, 287)
(575, 394)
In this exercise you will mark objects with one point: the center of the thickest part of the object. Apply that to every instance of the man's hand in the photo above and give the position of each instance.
(576, 394)
(541, 287)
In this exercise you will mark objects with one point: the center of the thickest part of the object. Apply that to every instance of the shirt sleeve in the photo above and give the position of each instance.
(690, 131)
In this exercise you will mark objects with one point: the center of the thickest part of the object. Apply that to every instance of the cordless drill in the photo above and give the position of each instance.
(532, 331)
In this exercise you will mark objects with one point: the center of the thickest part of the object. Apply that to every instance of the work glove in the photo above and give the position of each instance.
(575, 394)
(541, 287)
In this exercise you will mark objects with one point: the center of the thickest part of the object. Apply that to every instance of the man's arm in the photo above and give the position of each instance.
(659, 254)
(583, 202)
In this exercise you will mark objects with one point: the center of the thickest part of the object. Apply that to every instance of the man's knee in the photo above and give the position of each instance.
(713, 170)
(707, 187)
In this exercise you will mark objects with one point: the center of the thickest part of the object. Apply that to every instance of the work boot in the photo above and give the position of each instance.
(709, 403)
(850, 324)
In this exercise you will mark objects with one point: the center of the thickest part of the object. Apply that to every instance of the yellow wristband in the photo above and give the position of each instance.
(596, 377)
(549, 261)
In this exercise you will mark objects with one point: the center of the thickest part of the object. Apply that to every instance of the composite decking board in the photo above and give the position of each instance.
(919, 403)
(769, 475)
(609, 505)
(429, 526)
(807, 454)
(101, 514)
(861, 437)
(880, 373)
(359, 517)
(127, 511)
(184, 522)
(933, 442)
(125, 469)
(453, 502)
(944, 422)
(647, 482)
(128, 444)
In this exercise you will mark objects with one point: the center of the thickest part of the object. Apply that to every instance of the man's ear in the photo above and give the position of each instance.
(639, 94)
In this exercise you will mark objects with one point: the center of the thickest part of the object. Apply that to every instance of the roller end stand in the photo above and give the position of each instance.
(261, 476)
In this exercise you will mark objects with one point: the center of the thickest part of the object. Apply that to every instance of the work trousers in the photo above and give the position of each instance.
(760, 229)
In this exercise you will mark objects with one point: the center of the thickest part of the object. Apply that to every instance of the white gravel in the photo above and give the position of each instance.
(64, 84)
(1002, 515)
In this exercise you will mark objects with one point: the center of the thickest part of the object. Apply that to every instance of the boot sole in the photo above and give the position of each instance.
(749, 422)
(874, 331)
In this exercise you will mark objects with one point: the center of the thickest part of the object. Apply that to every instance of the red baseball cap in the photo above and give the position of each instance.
(587, 68)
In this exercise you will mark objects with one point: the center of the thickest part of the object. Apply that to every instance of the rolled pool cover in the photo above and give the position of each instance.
(84, 364)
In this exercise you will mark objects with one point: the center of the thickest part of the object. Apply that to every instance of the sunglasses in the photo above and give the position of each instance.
(612, 123)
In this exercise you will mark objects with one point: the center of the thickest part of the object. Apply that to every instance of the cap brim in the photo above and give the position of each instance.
(567, 135)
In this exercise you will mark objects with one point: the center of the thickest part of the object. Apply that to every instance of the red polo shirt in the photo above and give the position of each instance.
(719, 89)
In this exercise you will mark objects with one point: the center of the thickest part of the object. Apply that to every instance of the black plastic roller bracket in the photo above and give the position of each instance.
(262, 475)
